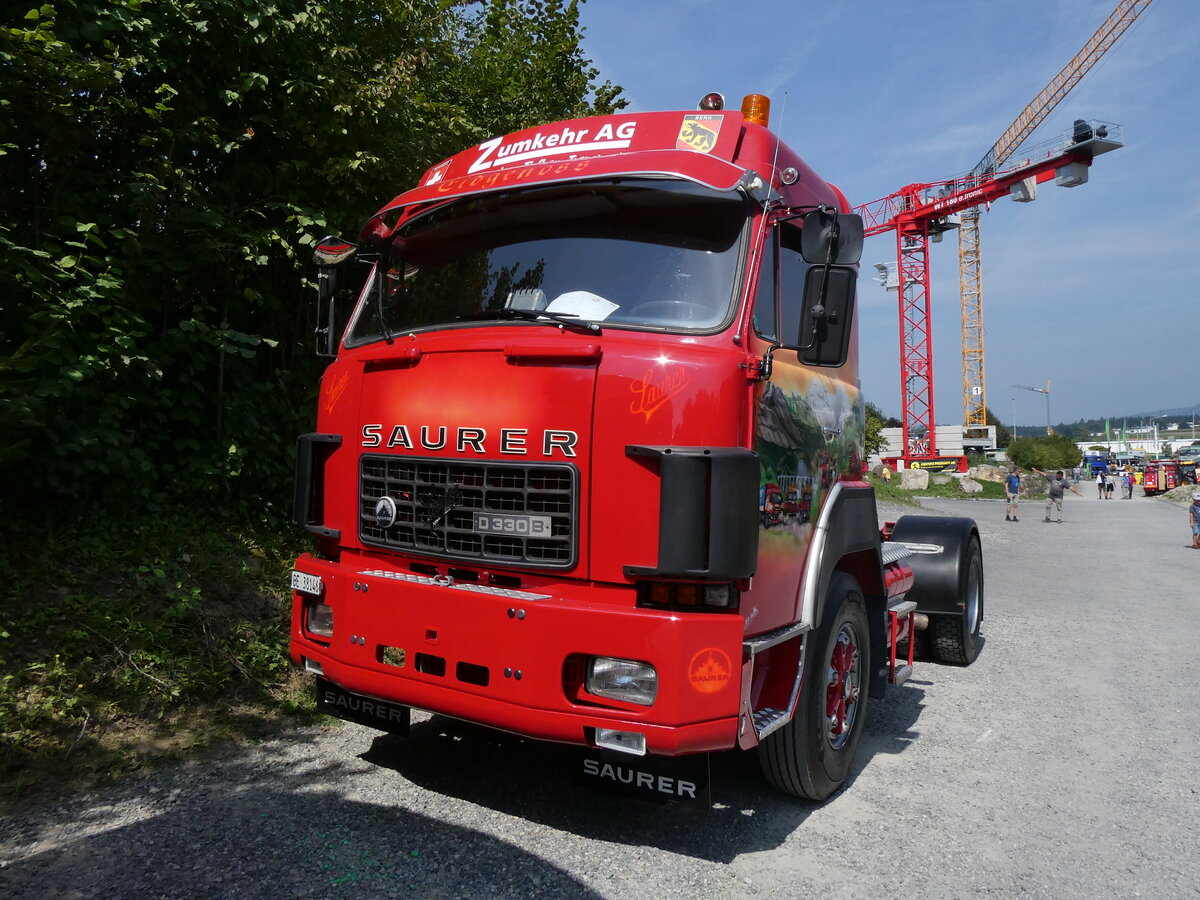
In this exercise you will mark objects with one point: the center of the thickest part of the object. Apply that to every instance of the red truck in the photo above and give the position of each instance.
(1161, 475)
(581, 355)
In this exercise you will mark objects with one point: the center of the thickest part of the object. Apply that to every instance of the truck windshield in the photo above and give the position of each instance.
(643, 253)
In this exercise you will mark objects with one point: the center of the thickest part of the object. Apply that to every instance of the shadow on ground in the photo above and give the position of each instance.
(284, 827)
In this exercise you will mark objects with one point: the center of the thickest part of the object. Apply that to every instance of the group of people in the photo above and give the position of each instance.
(1106, 483)
(1056, 487)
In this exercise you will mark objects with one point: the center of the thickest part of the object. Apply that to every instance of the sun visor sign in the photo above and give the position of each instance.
(580, 139)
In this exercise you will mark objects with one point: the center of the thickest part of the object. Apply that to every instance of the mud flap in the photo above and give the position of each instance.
(334, 700)
(671, 781)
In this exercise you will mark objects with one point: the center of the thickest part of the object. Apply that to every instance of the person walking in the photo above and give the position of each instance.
(1110, 484)
(1055, 486)
(1100, 483)
(1012, 491)
(1194, 519)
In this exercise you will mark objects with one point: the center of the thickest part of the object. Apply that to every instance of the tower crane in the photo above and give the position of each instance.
(1045, 391)
(921, 213)
(970, 277)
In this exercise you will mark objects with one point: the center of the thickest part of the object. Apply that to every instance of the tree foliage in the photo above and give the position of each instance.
(164, 166)
(1003, 434)
(1056, 451)
(876, 422)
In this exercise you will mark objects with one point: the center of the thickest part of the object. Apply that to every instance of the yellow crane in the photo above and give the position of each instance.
(970, 281)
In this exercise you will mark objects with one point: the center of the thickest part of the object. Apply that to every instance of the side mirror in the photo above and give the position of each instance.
(832, 238)
(329, 254)
(827, 315)
(333, 251)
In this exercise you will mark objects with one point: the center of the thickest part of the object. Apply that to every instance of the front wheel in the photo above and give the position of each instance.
(810, 756)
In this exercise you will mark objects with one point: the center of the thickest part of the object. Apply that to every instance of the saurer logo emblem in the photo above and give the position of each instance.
(710, 670)
(335, 391)
(651, 393)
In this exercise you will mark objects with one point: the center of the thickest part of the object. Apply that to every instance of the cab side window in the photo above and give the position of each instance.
(766, 316)
(792, 272)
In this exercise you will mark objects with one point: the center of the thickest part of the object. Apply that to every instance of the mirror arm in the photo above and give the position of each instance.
(326, 288)
(380, 288)
(788, 213)
(815, 331)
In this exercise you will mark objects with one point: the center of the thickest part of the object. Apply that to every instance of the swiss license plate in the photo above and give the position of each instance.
(306, 584)
(507, 523)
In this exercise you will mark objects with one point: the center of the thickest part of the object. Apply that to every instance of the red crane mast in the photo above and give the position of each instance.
(919, 212)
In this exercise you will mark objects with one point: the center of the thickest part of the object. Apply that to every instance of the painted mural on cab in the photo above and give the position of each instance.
(810, 431)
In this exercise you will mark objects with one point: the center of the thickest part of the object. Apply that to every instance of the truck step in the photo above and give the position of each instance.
(901, 674)
(767, 720)
(903, 608)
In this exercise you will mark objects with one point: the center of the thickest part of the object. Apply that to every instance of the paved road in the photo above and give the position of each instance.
(1062, 764)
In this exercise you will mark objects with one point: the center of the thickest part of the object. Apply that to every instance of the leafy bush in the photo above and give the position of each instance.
(1055, 451)
(109, 629)
(165, 168)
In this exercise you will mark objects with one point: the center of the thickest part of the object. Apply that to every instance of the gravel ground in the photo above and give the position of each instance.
(1061, 764)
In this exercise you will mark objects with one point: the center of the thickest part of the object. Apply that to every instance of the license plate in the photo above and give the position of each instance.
(306, 584)
(525, 526)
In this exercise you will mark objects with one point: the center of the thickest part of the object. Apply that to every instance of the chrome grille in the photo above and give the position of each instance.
(437, 500)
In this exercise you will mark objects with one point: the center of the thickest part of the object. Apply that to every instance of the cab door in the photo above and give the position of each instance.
(808, 426)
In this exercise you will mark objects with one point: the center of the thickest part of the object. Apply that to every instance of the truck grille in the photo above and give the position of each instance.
(512, 513)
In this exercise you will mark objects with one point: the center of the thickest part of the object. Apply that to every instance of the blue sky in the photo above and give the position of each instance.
(1093, 288)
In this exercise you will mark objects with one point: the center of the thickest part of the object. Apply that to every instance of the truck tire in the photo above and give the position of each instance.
(955, 639)
(810, 756)
(948, 586)
(922, 650)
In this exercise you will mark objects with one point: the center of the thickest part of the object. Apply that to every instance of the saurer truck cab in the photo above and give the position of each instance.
(585, 358)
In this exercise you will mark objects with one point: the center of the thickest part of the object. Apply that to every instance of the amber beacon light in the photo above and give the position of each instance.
(757, 109)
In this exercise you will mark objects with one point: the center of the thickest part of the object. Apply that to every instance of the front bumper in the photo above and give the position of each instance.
(512, 659)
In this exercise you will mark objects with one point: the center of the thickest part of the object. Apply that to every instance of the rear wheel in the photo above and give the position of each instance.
(955, 638)
(810, 756)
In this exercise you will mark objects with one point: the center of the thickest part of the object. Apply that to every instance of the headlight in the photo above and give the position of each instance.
(622, 679)
(318, 619)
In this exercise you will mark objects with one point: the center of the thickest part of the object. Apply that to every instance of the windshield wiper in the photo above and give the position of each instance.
(570, 320)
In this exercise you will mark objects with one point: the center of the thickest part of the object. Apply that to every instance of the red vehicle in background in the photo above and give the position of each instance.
(771, 508)
(1161, 475)
(545, 475)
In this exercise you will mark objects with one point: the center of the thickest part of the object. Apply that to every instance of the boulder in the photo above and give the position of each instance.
(988, 473)
(970, 486)
(942, 479)
(914, 480)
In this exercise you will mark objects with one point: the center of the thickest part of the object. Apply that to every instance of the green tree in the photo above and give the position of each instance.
(1055, 451)
(1003, 435)
(876, 422)
(164, 167)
